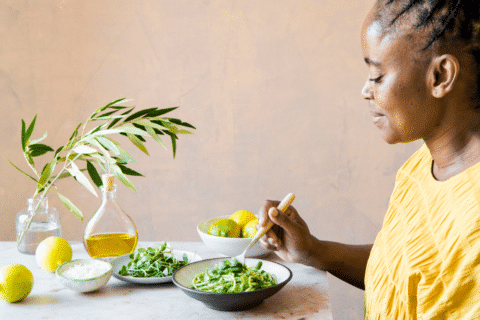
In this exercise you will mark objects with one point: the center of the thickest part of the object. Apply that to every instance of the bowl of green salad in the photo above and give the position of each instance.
(227, 285)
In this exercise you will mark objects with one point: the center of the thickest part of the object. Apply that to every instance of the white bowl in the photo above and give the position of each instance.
(229, 247)
(80, 283)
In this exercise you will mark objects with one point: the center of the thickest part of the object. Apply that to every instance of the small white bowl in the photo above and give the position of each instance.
(229, 247)
(80, 283)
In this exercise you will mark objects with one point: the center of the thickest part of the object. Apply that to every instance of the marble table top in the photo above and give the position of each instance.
(304, 297)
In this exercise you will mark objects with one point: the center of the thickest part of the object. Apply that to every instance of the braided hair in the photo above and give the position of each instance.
(459, 19)
(443, 23)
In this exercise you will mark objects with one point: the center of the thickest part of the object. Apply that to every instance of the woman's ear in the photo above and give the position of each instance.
(444, 72)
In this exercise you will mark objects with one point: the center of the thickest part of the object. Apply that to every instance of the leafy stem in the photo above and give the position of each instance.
(97, 147)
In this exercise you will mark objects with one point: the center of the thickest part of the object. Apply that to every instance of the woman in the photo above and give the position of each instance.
(423, 60)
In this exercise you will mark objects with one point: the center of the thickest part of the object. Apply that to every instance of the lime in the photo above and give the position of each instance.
(242, 217)
(250, 229)
(225, 228)
(16, 282)
(52, 252)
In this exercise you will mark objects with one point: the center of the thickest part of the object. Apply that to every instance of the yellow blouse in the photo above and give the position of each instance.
(425, 262)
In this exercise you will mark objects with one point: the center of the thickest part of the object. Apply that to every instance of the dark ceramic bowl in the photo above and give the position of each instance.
(183, 277)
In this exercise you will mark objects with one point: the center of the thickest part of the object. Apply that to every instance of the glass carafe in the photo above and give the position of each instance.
(110, 232)
(41, 222)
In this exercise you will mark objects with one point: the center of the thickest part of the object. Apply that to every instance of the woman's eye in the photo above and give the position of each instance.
(376, 80)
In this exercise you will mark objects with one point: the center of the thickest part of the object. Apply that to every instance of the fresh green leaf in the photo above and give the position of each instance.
(58, 150)
(154, 135)
(92, 171)
(174, 146)
(67, 174)
(147, 124)
(127, 157)
(106, 132)
(118, 107)
(137, 142)
(75, 133)
(70, 206)
(38, 140)
(39, 149)
(186, 124)
(107, 144)
(83, 149)
(171, 127)
(139, 114)
(114, 122)
(105, 115)
(173, 138)
(21, 170)
(24, 139)
(46, 173)
(128, 111)
(81, 178)
(180, 123)
(29, 131)
(110, 104)
(160, 112)
(106, 158)
(29, 158)
(121, 177)
(129, 171)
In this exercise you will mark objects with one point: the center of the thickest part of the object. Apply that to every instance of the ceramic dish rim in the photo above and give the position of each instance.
(148, 280)
(60, 273)
(232, 293)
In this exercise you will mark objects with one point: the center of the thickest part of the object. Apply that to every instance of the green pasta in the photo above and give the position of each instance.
(232, 277)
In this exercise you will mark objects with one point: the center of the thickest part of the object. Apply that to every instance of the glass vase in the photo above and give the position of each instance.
(110, 232)
(36, 223)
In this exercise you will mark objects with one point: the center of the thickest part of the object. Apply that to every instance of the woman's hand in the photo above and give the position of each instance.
(289, 237)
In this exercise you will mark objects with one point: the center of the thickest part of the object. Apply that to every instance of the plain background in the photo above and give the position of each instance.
(273, 88)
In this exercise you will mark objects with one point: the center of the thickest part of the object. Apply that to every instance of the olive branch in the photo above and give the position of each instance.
(96, 147)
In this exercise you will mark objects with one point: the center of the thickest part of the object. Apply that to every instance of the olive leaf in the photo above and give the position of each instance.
(70, 206)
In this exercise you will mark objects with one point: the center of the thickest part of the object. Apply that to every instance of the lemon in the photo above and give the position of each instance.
(242, 217)
(225, 228)
(16, 282)
(250, 229)
(52, 252)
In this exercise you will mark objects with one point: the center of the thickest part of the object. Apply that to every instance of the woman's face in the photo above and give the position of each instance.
(396, 89)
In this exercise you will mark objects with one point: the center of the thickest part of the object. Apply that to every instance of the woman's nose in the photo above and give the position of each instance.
(367, 92)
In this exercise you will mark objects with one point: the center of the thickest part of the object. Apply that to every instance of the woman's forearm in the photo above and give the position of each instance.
(346, 262)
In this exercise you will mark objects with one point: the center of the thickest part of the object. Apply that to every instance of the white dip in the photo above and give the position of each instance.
(85, 270)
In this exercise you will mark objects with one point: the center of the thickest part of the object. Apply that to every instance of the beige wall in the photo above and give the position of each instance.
(272, 86)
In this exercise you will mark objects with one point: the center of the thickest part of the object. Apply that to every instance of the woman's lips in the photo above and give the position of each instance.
(376, 116)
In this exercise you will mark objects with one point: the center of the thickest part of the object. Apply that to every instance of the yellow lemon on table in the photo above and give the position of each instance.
(242, 217)
(225, 228)
(16, 282)
(250, 229)
(52, 252)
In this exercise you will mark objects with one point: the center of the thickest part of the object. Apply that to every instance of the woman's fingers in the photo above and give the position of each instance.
(282, 220)
(263, 218)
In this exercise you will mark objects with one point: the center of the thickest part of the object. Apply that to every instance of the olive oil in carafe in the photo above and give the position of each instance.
(110, 245)
(110, 232)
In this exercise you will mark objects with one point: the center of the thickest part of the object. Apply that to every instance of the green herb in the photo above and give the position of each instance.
(96, 147)
(152, 262)
(233, 276)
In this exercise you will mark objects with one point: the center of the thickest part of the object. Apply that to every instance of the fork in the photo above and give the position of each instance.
(260, 233)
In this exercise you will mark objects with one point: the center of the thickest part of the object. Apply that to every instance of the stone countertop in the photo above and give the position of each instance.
(304, 297)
